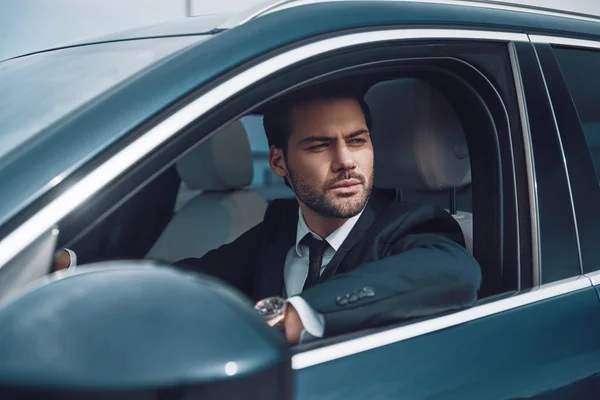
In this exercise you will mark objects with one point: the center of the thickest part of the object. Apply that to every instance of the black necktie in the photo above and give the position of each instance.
(316, 249)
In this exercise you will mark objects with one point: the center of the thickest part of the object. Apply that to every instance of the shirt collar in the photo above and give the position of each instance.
(335, 239)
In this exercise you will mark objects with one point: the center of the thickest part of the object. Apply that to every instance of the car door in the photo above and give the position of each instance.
(540, 342)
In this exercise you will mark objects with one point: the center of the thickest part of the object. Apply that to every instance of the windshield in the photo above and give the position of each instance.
(40, 89)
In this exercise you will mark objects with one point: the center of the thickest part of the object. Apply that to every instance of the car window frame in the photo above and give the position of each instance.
(404, 55)
(155, 133)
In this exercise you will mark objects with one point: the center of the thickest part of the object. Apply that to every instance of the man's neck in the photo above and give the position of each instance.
(322, 226)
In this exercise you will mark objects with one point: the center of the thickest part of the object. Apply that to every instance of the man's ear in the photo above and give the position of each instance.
(277, 162)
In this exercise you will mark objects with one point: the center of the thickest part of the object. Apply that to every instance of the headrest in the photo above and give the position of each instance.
(222, 162)
(418, 138)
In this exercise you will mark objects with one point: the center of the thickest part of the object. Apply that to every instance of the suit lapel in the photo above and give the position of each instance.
(377, 202)
(282, 224)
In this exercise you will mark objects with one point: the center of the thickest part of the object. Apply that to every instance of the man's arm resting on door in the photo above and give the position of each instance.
(423, 274)
(230, 262)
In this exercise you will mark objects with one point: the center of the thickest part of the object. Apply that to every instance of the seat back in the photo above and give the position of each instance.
(419, 142)
(219, 168)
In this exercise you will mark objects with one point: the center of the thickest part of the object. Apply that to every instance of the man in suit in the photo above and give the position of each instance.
(345, 255)
(342, 256)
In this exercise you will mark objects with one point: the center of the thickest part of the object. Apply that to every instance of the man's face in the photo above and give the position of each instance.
(329, 159)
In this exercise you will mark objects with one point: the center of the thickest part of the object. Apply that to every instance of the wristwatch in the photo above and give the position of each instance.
(272, 309)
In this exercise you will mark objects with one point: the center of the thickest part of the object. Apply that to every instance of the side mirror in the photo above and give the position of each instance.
(138, 330)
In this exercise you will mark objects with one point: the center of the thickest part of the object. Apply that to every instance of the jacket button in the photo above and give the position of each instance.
(342, 300)
(368, 291)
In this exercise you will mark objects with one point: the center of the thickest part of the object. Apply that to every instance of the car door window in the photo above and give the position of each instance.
(580, 70)
(574, 84)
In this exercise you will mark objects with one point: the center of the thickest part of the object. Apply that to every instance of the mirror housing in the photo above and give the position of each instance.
(136, 329)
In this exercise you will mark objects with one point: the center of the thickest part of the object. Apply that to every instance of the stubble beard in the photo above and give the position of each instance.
(340, 206)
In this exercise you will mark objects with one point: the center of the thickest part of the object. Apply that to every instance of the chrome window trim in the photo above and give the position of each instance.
(564, 160)
(81, 191)
(336, 351)
(268, 7)
(594, 277)
(530, 165)
(564, 41)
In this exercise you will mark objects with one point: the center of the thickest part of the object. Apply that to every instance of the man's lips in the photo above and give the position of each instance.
(346, 183)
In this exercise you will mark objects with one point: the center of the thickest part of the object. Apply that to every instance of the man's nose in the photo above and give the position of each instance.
(343, 158)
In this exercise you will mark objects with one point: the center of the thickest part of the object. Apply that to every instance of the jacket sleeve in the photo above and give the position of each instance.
(421, 268)
(130, 231)
(232, 262)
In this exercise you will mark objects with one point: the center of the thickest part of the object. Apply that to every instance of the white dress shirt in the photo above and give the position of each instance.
(295, 272)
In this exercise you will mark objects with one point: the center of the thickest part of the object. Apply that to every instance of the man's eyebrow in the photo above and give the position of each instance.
(318, 138)
(315, 138)
(356, 133)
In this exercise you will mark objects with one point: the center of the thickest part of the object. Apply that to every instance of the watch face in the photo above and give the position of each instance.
(270, 307)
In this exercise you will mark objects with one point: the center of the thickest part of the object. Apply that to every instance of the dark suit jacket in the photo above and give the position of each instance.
(411, 257)
(130, 231)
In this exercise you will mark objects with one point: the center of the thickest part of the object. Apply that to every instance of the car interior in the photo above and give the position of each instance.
(427, 161)
(221, 188)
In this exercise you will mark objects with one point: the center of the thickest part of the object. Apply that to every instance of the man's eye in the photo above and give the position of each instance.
(318, 146)
(358, 141)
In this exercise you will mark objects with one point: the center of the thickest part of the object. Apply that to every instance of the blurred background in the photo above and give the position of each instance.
(31, 25)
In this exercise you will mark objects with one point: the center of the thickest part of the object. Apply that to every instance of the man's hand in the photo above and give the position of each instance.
(293, 325)
(62, 260)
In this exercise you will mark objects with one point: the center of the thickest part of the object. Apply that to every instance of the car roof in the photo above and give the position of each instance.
(215, 23)
(128, 104)
(199, 25)
(575, 10)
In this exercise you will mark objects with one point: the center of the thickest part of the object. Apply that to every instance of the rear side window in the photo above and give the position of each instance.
(581, 71)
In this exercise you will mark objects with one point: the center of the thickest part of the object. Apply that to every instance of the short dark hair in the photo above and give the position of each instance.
(277, 116)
